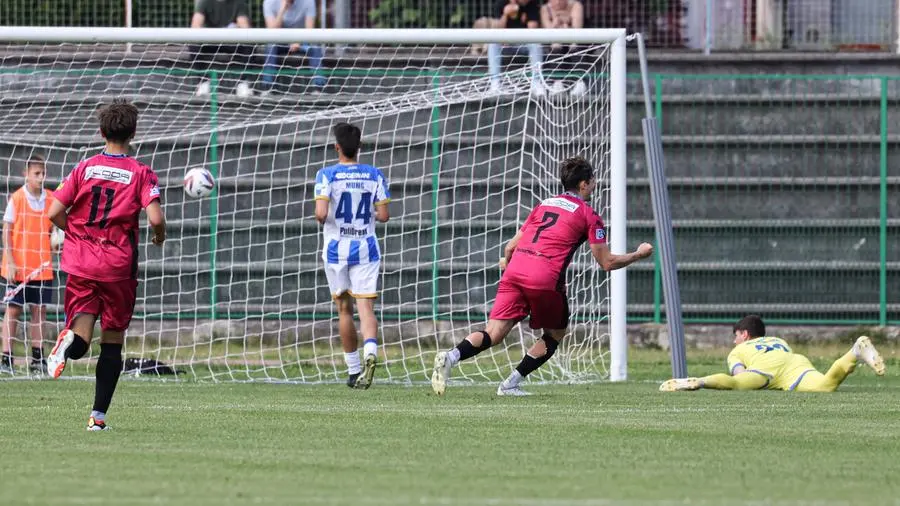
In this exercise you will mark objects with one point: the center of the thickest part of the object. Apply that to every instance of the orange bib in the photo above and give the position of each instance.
(30, 238)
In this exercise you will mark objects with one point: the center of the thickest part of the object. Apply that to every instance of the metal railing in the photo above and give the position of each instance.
(707, 25)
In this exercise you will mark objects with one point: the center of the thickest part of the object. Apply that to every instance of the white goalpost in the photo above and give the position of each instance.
(238, 293)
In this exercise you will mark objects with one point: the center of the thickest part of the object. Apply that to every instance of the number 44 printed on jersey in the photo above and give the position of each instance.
(353, 191)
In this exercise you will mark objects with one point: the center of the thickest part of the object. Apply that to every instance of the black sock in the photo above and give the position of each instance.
(7, 359)
(109, 366)
(37, 354)
(468, 350)
(529, 363)
(77, 349)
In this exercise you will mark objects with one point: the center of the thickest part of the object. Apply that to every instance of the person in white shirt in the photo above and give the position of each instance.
(569, 58)
(290, 14)
(236, 57)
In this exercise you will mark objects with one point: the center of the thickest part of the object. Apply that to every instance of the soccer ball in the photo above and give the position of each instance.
(198, 183)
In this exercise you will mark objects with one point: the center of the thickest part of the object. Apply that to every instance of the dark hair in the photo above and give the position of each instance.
(35, 160)
(118, 120)
(572, 171)
(348, 138)
(753, 324)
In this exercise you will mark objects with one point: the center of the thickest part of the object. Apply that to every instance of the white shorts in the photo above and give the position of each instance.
(360, 280)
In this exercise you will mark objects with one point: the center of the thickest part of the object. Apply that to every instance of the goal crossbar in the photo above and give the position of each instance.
(118, 35)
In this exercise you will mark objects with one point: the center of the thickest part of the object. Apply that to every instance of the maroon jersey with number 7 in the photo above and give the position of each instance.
(104, 196)
(551, 234)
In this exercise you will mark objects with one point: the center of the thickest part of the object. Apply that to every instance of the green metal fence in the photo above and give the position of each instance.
(781, 197)
(780, 191)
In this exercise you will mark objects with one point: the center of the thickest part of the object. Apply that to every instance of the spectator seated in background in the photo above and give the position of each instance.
(482, 23)
(569, 59)
(517, 14)
(290, 14)
(222, 14)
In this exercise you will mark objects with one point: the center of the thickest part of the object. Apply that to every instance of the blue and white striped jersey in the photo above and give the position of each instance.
(353, 191)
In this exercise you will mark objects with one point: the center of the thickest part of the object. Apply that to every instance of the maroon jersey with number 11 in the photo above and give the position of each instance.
(552, 233)
(105, 195)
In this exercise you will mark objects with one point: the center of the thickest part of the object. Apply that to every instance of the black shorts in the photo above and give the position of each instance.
(39, 293)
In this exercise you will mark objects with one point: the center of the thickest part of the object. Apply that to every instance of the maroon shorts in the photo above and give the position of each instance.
(111, 301)
(549, 309)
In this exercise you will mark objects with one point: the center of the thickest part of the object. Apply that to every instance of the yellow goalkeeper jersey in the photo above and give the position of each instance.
(773, 358)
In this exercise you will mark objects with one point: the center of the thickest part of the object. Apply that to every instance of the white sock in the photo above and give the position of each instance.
(512, 380)
(370, 347)
(453, 356)
(98, 416)
(352, 361)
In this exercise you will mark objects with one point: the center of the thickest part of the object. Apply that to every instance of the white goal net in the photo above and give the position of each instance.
(238, 292)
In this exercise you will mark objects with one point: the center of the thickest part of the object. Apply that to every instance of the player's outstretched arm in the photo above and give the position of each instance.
(157, 221)
(57, 214)
(610, 261)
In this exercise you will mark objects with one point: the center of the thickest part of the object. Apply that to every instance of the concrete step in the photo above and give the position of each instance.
(472, 282)
(771, 285)
(690, 201)
(280, 199)
(173, 113)
(389, 313)
(482, 240)
(413, 156)
(405, 155)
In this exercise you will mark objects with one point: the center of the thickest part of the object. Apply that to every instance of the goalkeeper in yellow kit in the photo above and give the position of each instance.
(759, 362)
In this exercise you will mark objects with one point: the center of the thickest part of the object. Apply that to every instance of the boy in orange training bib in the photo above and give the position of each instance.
(26, 258)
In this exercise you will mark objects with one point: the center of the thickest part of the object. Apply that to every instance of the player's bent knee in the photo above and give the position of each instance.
(485, 341)
(83, 324)
(550, 343)
(112, 337)
(344, 303)
(498, 329)
(366, 305)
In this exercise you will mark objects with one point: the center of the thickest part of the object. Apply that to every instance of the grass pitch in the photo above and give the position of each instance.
(583, 445)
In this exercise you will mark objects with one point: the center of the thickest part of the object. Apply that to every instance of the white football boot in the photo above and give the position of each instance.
(681, 384)
(515, 391)
(56, 361)
(441, 373)
(866, 352)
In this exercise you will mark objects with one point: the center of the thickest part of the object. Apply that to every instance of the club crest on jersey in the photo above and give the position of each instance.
(106, 173)
(600, 234)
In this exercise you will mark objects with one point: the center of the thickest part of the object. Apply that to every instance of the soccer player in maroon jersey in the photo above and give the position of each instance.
(98, 205)
(534, 277)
